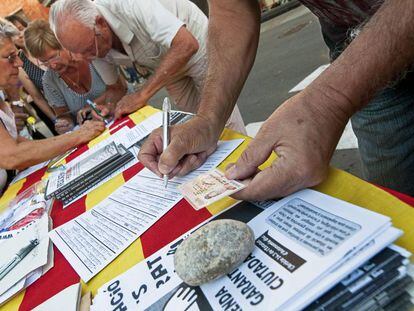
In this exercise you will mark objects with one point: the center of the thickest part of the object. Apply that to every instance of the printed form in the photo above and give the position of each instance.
(92, 240)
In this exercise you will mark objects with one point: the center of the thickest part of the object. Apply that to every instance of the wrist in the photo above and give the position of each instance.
(329, 101)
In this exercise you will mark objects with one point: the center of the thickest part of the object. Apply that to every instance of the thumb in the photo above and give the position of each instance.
(257, 152)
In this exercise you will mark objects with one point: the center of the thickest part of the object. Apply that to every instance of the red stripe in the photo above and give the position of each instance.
(181, 218)
(132, 171)
(32, 179)
(55, 280)
(62, 215)
(81, 149)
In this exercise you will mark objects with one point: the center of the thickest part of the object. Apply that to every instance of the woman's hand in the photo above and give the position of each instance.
(89, 130)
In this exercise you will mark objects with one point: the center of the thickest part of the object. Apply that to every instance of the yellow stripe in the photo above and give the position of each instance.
(10, 193)
(129, 258)
(13, 304)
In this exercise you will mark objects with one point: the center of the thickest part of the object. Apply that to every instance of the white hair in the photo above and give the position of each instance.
(7, 29)
(84, 11)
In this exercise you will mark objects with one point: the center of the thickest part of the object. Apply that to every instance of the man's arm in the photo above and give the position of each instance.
(233, 35)
(183, 47)
(305, 129)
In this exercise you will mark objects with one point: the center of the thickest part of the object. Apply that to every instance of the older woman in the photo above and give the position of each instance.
(68, 82)
(31, 74)
(17, 152)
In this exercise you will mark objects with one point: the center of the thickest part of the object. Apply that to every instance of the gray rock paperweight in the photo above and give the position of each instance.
(213, 250)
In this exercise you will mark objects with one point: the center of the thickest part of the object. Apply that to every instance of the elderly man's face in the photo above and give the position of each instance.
(9, 63)
(86, 42)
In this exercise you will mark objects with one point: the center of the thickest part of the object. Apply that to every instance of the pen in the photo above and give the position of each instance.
(166, 108)
(93, 106)
(6, 268)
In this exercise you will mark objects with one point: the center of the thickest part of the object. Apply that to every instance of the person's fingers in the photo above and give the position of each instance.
(282, 178)
(257, 152)
(176, 150)
(191, 162)
(150, 151)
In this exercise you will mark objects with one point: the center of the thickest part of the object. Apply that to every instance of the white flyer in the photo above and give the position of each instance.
(92, 240)
(284, 266)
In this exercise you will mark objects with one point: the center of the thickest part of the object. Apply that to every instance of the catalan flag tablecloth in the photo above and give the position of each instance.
(179, 219)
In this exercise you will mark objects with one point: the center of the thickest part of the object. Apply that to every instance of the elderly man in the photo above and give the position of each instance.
(305, 129)
(165, 36)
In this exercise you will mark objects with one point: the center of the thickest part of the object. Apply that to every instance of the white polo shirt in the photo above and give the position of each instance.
(146, 29)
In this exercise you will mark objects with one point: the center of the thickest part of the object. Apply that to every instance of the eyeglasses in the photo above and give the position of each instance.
(93, 50)
(50, 60)
(12, 58)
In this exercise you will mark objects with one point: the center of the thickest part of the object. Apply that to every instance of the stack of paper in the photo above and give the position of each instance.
(305, 244)
(77, 177)
(380, 283)
(25, 251)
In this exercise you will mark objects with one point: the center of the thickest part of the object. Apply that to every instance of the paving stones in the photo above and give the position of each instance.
(213, 250)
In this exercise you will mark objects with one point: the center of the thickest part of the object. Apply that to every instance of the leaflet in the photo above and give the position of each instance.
(95, 238)
(316, 233)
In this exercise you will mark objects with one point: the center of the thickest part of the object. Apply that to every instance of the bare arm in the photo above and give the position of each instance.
(379, 54)
(306, 128)
(233, 36)
(20, 153)
(36, 95)
(183, 47)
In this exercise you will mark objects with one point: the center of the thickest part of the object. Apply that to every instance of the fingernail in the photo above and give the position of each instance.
(231, 172)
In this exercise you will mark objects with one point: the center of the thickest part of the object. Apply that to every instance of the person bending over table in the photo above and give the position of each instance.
(67, 82)
(305, 129)
(17, 152)
(168, 37)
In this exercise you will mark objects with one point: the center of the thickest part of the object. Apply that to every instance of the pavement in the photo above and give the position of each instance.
(290, 48)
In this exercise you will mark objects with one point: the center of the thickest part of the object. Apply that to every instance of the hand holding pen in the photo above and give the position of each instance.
(97, 111)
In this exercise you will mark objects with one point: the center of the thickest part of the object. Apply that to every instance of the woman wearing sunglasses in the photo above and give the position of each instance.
(17, 152)
(68, 82)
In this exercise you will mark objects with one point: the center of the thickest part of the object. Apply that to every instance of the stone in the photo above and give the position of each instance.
(213, 250)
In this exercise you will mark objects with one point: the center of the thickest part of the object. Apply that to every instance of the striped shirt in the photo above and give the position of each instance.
(34, 72)
(59, 94)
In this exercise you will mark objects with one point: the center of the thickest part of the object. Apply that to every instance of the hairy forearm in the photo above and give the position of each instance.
(233, 36)
(383, 50)
(183, 47)
(25, 153)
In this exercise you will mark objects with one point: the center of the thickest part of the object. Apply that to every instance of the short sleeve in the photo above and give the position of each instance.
(108, 72)
(160, 24)
(51, 90)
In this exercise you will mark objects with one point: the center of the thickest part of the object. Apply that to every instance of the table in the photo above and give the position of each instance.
(180, 219)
